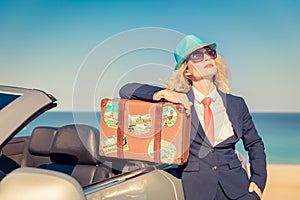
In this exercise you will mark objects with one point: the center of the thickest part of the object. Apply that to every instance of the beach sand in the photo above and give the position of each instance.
(283, 182)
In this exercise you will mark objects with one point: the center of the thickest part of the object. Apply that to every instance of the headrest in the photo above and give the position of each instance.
(75, 144)
(32, 183)
(40, 141)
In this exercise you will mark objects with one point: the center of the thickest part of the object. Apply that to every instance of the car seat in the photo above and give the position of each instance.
(75, 151)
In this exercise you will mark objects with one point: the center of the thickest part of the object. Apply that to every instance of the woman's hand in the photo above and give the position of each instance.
(167, 95)
(255, 188)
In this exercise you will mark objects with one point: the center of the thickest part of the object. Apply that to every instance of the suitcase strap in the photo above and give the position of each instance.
(120, 129)
(157, 131)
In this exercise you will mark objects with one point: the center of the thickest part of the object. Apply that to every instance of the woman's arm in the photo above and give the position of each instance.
(153, 94)
(139, 91)
(148, 93)
(256, 150)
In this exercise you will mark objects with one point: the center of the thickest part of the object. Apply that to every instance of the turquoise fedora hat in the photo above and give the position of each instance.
(188, 45)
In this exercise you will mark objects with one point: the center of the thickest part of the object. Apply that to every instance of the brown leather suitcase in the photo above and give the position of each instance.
(140, 130)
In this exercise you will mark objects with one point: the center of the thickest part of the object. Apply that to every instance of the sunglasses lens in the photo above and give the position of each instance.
(211, 52)
(198, 56)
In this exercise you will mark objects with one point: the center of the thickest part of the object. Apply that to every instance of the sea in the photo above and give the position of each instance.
(279, 131)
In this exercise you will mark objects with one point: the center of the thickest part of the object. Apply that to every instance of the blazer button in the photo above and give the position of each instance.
(212, 150)
(214, 168)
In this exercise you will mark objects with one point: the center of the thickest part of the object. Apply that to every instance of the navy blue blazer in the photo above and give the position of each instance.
(209, 166)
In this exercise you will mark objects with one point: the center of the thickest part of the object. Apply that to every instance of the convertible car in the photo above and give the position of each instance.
(63, 162)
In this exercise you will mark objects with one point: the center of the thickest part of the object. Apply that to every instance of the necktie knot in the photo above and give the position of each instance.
(207, 101)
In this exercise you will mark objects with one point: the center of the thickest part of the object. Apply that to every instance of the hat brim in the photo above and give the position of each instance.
(212, 45)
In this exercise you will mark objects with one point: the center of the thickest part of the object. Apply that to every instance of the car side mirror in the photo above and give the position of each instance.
(31, 183)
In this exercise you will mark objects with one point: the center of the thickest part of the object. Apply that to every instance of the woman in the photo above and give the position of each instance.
(219, 121)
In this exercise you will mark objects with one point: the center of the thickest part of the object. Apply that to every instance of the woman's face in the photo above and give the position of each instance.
(201, 64)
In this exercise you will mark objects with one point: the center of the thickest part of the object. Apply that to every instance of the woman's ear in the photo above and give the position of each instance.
(187, 73)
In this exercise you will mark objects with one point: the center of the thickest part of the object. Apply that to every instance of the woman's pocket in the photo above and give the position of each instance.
(234, 164)
(192, 166)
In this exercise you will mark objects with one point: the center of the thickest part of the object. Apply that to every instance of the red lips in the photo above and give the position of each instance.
(208, 65)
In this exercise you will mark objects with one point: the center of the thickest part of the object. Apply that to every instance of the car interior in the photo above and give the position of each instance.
(71, 149)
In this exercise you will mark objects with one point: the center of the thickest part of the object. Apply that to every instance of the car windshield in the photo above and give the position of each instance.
(6, 98)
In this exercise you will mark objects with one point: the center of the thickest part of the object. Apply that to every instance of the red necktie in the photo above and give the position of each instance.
(208, 120)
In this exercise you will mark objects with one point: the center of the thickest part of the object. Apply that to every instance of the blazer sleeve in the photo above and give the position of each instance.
(138, 91)
(256, 150)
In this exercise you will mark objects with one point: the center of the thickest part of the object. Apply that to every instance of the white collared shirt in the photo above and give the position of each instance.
(222, 125)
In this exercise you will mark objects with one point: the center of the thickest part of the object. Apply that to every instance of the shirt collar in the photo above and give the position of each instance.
(199, 96)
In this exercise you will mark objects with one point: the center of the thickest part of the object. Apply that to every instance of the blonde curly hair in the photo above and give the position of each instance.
(180, 83)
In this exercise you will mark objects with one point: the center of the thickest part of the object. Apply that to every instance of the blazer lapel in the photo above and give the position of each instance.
(196, 125)
(232, 113)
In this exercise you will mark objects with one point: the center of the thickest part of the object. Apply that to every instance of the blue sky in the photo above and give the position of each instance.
(82, 51)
